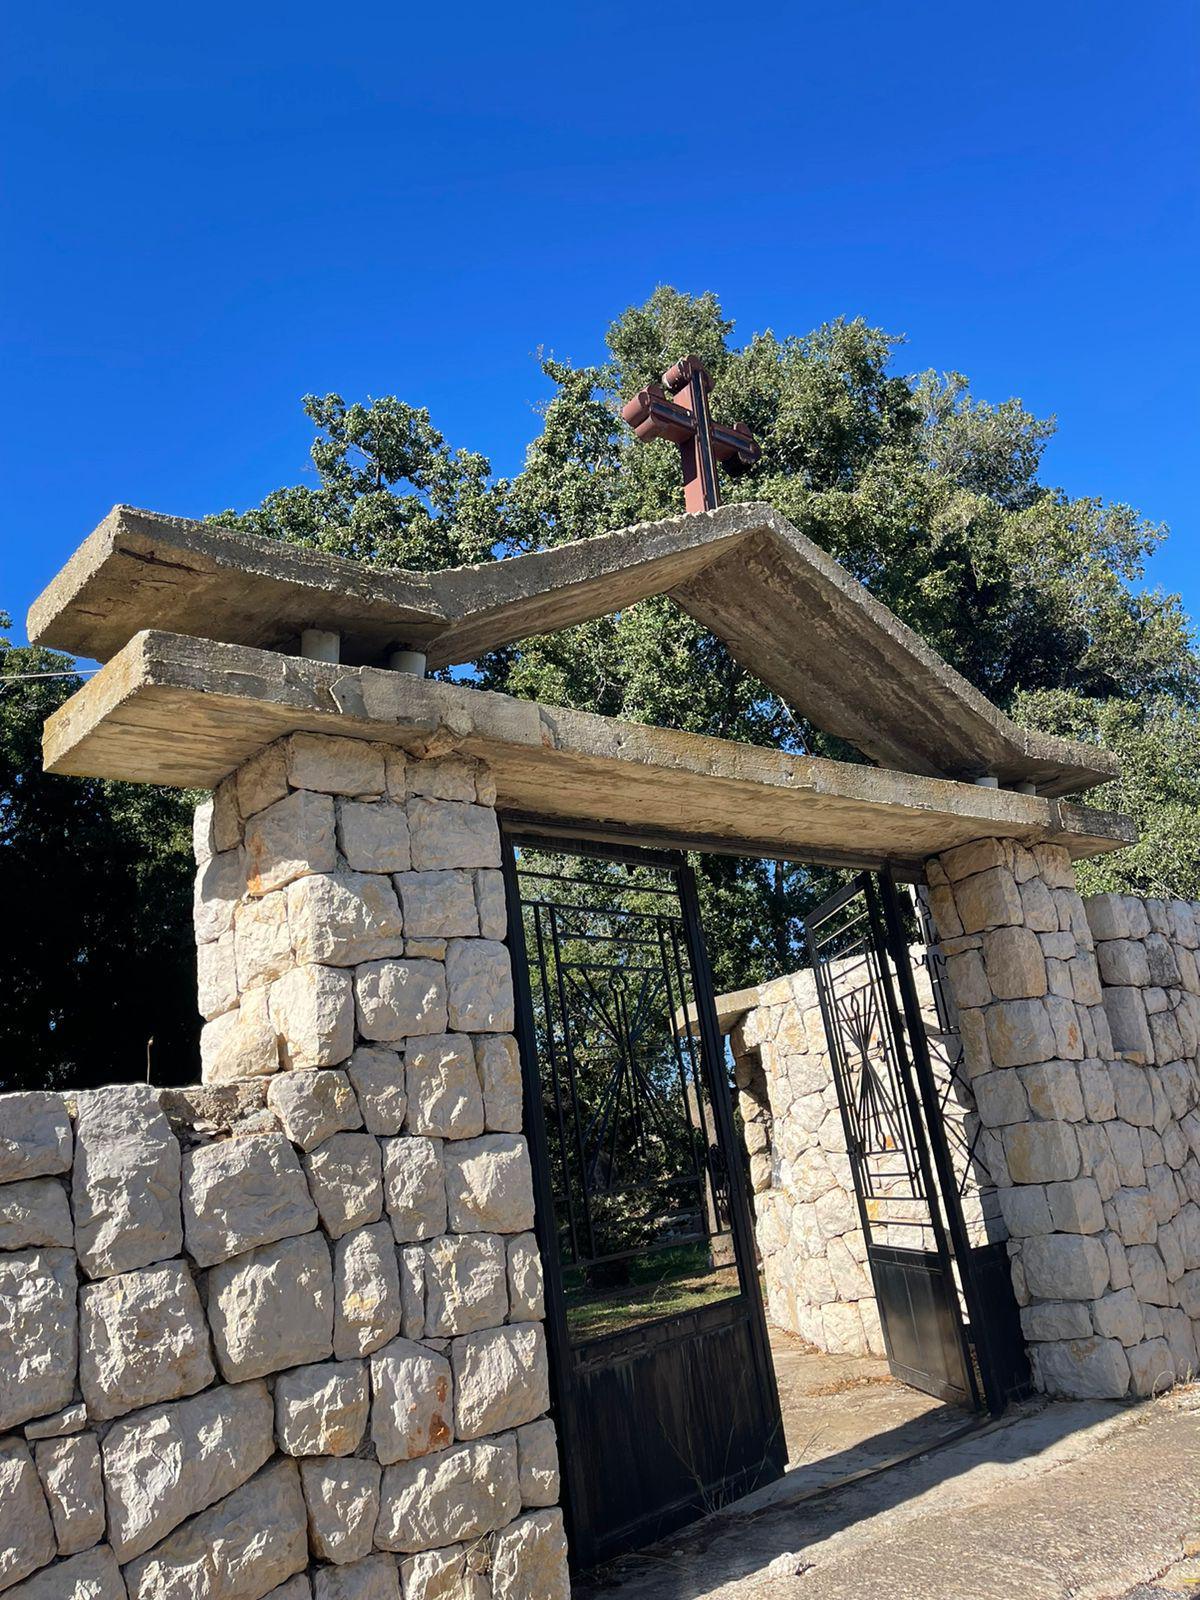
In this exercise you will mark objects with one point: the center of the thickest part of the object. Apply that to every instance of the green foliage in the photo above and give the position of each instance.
(95, 944)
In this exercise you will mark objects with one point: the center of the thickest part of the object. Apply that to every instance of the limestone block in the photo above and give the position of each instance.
(1053, 1090)
(978, 856)
(38, 1338)
(1000, 1098)
(400, 999)
(1081, 1369)
(411, 1262)
(414, 1187)
(241, 1193)
(342, 1497)
(438, 905)
(345, 1178)
(530, 1558)
(142, 1340)
(490, 903)
(163, 1465)
(262, 940)
(1179, 1330)
(444, 1095)
(313, 1105)
(479, 982)
(457, 1572)
(1038, 908)
(411, 1409)
(35, 1135)
(1016, 965)
(489, 1184)
(1133, 1216)
(342, 918)
(94, 1575)
(322, 1410)
(465, 1283)
(262, 779)
(291, 838)
(1106, 916)
(125, 1181)
(203, 845)
(1131, 1089)
(34, 1211)
(1019, 1032)
(26, 1531)
(1151, 1367)
(499, 1068)
(1056, 1319)
(373, 838)
(968, 979)
(71, 1419)
(1165, 1036)
(1127, 1022)
(70, 1473)
(1187, 1226)
(297, 1588)
(1068, 1032)
(312, 1012)
(272, 1308)
(1040, 1152)
(1123, 962)
(1099, 1098)
(333, 765)
(537, 1458)
(377, 1075)
(220, 884)
(241, 1043)
(460, 1493)
(1149, 1276)
(501, 1379)
(373, 1578)
(366, 1291)
(1126, 1147)
(239, 1549)
(525, 1290)
(1065, 1266)
(444, 778)
(1119, 1316)
(988, 899)
(452, 834)
(1075, 1207)
(216, 977)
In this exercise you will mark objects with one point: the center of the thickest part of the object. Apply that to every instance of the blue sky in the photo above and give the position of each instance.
(208, 211)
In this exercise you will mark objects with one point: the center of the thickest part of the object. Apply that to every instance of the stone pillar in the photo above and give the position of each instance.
(1070, 1126)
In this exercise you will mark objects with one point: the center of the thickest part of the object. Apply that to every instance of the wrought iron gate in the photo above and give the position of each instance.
(949, 1317)
(664, 1390)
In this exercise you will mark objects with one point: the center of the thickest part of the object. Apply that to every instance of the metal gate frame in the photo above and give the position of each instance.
(583, 1548)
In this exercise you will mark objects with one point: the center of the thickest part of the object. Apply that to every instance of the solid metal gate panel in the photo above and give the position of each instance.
(664, 1391)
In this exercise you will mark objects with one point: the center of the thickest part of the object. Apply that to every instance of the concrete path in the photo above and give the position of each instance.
(1081, 1501)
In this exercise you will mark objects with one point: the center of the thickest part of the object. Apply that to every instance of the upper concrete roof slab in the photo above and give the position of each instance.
(788, 612)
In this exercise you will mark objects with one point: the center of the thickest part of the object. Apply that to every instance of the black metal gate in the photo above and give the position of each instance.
(949, 1316)
(664, 1390)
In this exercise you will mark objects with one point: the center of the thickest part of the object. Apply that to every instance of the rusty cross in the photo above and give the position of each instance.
(687, 422)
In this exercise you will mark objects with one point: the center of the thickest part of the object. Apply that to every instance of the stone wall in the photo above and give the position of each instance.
(282, 1334)
(1080, 1027)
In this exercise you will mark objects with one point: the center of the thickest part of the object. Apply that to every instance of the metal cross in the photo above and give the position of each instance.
(687, 422)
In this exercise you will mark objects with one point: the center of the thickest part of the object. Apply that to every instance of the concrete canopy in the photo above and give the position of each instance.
(787, 611)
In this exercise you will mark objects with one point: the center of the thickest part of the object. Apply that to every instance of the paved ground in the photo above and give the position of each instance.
(1082, 1501)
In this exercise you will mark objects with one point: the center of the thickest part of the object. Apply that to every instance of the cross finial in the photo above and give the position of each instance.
(686, 421)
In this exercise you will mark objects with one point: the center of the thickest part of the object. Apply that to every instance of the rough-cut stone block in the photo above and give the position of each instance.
(438, 905)
(342, 918)
(262, 940)
(461, 1493)
(239, 1549)
(491, 905)
(203, 844)
(71, 1419)
(332, 765)
(988, 899)
(1016, 966)
(479, 985)
(1132, 1092)
(74, 1490)
(38, 1340)
(374, 838)
(216, 977)
(1000, 1098)
(1119, 1316)
(1099, 1100)
(125, 1182)
(1126, 1012)
(142, 1340)
(94, 1575)
(1106, 916)
(35, 1135)
(297, 1588)
(456, 1572)
(1076, 1206)
(1053, 1090)
(163, 1465)
(411, 1411)
(1041, 1152)
(444, 778)
(537, 1455)
(414, 1187)
(366, 1291)
(530, 1558)
(1019, 1032)
(1149, 1276)
(240, 1044)
(26, 1531)
(220, 884)
(272, 1308)
(444, 1096)
(1026, 1210)
(450, 834)
(1065, 1266)
(411, 1261)
(262, 779)
(968, 979)
(342, 1497)
(313, 1105)
(1082, 1369)
(242, 1193)
(489, 1184)
(293, 837)
(1151, 1367)
(1038, 908)
(465, 1283)
(322, 1410)
(1068, 1032)
(499, 1068)
(377, 1075)
(374, 1578)
(344, 1175)
(312, 1012)
(1126, 1147)
(400, 999)
(1123, 962)
(525, 1289)
(501, 1379)
(33, 1212)
(1132, 1216)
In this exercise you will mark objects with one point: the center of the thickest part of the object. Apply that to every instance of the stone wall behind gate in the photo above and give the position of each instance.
(280, 1334)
